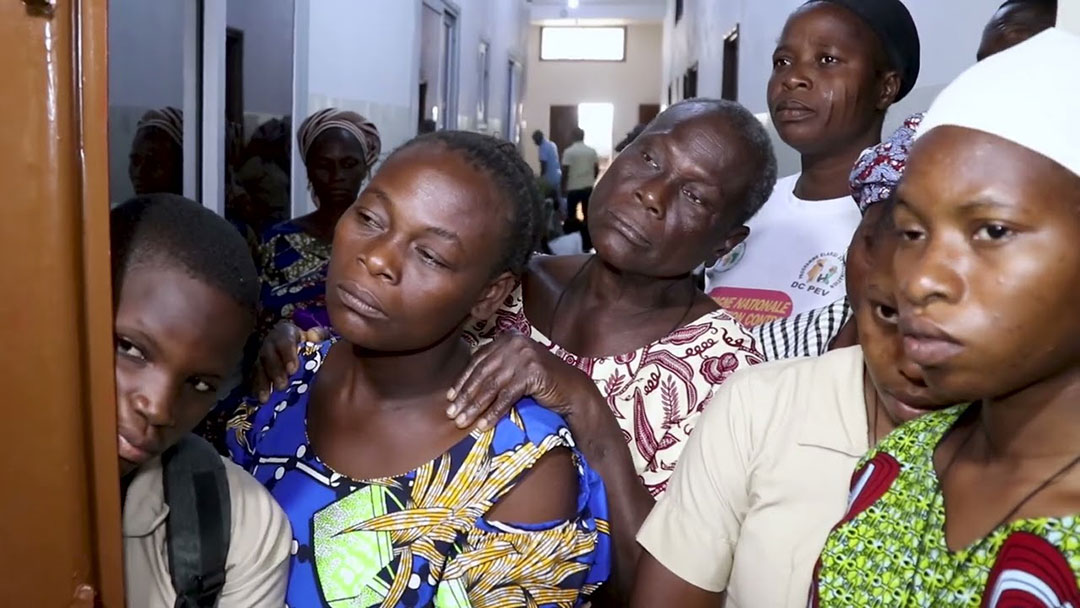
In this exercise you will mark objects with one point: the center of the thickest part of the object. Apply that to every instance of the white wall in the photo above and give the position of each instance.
(268, 53)
(949, 32)
(504, 25)
(361, 56)
(627, 84)
(1069, 15)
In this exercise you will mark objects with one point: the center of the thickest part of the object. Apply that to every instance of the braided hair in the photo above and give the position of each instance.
(513, 180)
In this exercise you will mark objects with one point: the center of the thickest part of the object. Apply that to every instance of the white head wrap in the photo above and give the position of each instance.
(1029, 95)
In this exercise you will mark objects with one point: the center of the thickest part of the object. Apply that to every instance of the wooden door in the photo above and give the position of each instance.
(646, 112)
(563, 121)
(60, 512)
(730, 85)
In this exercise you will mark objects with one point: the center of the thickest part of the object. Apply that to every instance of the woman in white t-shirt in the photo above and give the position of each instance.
(837, 68)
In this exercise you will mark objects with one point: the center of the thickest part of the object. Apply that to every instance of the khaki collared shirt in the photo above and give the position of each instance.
(257, 566)
(763, 479)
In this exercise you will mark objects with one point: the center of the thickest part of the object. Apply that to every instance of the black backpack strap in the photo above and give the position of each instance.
(199, 521)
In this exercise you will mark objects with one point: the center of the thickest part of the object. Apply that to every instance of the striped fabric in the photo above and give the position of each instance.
(806, 335)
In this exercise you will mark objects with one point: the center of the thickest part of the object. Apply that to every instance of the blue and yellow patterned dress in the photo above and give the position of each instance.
(292, 278)
(420, 539)
(890, 551)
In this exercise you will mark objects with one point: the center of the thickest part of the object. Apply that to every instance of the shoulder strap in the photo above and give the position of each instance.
(198, 525)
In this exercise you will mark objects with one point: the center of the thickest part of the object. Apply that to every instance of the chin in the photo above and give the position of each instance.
(801, 137)
(126, 468)
(912, 403)
(954, 386)
(617, 253)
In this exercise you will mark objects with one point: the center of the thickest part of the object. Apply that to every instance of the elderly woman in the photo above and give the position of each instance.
(339, 149)
(766, 472)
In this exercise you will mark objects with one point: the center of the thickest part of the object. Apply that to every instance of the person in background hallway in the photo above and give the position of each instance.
(264, 175)
(156, 163)
(339, 148)
(979, 504)
(185, 292)
(550, 170)
(766, 473)
(580, 168)
(393, 504)
(878, 170)
(650, 348)
(837, 68)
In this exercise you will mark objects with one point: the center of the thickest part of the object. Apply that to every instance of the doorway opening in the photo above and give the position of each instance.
(730, 87)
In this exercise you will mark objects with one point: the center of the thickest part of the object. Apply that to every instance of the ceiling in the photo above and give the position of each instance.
(598, 2)
(595, 12)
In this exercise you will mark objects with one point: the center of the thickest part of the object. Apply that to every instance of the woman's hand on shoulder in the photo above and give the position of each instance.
(279, 357)
(509, 368)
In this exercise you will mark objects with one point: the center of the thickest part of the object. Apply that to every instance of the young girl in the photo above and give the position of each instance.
(977, 505)
(391, 503)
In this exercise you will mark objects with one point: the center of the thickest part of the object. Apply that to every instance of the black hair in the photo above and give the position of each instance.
(513, 180)
(762, 165)
(578, 134)
(1041, 13)
(1046, 5)
(171, 231)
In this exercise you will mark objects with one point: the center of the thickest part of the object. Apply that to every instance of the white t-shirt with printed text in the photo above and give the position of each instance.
(793, 260)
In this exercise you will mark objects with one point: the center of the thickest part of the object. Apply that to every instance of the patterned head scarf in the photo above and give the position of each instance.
(880, 167)
(352, 123)
(168, 120)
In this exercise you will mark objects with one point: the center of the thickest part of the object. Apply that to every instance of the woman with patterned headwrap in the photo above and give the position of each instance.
(156, 163)
(339, 149)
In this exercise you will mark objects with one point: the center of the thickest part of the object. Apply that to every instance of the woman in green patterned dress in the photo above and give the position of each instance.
(978, 505)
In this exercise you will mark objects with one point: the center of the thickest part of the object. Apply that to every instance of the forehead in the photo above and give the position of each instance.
(190, 322)
(152, 137)
(708, 136)
(336, 141)
(827, 24)
(951, 168)
(430, 186)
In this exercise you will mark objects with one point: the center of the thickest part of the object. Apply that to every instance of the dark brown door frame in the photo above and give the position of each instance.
(60, 515)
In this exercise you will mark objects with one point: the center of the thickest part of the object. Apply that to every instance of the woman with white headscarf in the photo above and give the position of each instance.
(979, 504)
(339, 149)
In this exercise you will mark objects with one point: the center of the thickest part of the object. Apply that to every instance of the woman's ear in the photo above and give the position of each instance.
(493, 296)
(736, 236)
(888, 89)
